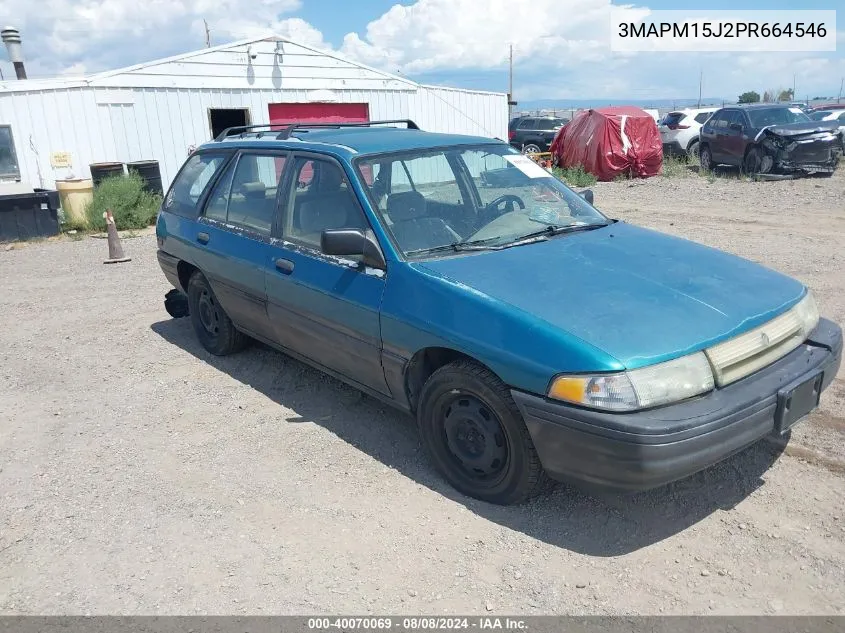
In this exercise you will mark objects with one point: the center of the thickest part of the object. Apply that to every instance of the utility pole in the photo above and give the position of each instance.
(207, 34)
(700, 81)
(793, 88)
(511, 102)
(840, 90)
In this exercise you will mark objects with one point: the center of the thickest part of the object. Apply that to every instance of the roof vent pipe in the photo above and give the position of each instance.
(12, 39)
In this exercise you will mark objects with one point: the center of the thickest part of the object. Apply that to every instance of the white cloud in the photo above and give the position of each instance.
(455, 34)
(565, 54)
(93, 35)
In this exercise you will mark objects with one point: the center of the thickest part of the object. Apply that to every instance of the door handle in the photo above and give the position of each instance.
(284, 266)
(202, 238)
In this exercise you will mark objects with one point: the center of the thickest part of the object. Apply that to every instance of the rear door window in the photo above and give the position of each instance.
(246, 195)
(702, 117)
(192, 181)
(528, 124)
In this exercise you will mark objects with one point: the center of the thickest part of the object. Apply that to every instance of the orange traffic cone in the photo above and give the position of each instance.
(116, 254)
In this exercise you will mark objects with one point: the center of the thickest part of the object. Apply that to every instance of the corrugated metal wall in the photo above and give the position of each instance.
(166, 115)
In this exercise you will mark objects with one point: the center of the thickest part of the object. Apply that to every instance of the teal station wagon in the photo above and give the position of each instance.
(531, 336)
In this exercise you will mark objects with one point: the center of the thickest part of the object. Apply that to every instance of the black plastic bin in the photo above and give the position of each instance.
(99, 171)
(24, 216)
(149, 172)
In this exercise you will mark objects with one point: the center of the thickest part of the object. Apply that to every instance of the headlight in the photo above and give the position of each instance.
(639, 388)
(808, 312)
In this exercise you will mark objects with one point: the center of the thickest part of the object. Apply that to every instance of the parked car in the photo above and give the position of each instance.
(530, 335)
(534, 134)
(679, 131)
(766, 138)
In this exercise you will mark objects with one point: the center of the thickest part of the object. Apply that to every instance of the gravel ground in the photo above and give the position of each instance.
(139, 475)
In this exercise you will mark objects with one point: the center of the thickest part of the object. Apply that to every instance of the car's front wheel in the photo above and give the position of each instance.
(475, 435)
(212, 325)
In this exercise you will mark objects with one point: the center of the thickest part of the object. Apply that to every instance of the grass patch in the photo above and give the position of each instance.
(675, 167)
(131, 206)
(575, 176)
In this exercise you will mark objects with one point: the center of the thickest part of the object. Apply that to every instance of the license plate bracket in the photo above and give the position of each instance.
(797, 400)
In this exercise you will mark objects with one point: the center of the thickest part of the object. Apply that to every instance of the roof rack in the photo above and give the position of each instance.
(290, 128)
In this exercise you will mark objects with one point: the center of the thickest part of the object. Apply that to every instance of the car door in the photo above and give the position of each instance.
(321, 307)
(525, 131)
(735, 135)
(234, 237)
(546, 130)
(713, 133)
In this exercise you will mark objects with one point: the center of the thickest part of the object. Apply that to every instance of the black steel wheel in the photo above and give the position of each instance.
(212, 325)
(475, 435)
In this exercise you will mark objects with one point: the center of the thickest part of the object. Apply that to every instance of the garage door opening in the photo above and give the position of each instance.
(281, 113)
(221, 118)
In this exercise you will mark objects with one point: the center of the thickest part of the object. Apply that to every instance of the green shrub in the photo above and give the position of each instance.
(575, 176)
(131, 206)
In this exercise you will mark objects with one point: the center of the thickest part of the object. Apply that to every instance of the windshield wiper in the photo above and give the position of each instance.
(554, 229)
(474, 245)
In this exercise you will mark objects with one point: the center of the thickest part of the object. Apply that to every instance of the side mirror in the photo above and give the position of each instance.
(350, 242)
(587, 194)
(736, 126)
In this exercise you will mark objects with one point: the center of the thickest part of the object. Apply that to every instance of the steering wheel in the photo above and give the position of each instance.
(492, 211)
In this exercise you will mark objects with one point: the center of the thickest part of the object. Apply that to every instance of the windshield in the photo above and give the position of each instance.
(487, 195)
(761, 117)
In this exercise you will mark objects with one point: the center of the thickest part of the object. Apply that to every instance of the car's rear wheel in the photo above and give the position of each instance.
(212, 325)
(531, 148)
(475, 435)
(705, 158)
(693, 150)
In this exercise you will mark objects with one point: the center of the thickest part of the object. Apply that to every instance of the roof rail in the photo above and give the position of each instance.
(242, 129)
(305, 126)
(290, 128)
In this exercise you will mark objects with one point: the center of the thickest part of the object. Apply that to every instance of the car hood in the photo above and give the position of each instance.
(638, 295)
(803, 127)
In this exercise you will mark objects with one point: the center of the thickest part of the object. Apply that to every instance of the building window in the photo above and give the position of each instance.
(8, 158)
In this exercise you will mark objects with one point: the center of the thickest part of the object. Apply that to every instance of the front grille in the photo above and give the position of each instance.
(751, 351)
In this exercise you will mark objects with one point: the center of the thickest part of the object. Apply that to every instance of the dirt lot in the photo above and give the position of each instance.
(140, 475)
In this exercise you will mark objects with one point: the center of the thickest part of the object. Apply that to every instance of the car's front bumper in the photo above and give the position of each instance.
(641, 450)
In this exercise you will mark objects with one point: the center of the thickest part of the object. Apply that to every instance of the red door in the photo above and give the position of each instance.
(282, 113)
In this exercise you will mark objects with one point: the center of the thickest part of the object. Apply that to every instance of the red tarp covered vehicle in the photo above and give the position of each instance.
(608, 142)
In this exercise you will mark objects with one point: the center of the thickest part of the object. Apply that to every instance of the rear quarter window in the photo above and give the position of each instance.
(192, 182)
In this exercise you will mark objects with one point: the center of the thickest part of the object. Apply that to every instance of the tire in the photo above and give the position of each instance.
(475, 436)
(705, 158)
(212, 325)
(531, 148)
(693, 150)
(752, 161)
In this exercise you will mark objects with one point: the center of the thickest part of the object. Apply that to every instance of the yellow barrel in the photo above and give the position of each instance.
(75, 195)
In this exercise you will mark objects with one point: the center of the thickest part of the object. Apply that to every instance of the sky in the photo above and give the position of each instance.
(561, 47)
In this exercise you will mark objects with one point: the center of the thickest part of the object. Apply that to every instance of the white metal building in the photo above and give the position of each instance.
(161, 109)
